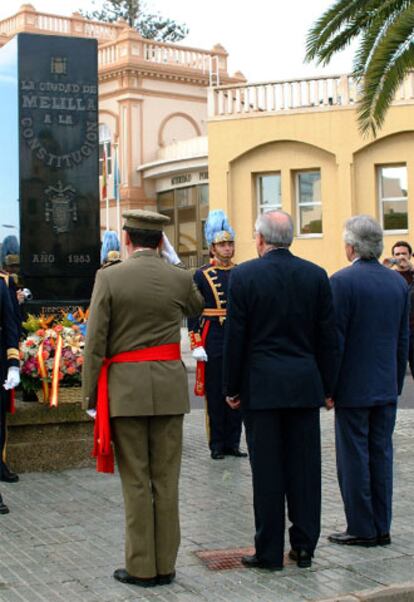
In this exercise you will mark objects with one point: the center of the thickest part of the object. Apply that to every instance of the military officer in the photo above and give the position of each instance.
(9, 362)
(10, 262)
(132, 358)
(206, 334)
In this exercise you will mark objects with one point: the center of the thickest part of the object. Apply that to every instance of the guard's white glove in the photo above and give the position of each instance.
(168, 251)
(200, 354)
(13, 378)
(91, 413)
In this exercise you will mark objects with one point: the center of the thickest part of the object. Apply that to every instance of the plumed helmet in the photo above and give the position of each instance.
(10, 251)
(110, 243)
(217, 228)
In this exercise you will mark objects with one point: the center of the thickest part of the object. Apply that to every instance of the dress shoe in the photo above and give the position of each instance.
(7, 476)
(346, 539)
(216, 454)
(384, 539)
(302, 557)
(3, 508)
(124, 577)
(252, 562)
(235, 451)
(165, 579)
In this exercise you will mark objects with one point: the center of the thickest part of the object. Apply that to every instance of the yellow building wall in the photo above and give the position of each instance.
(325, 139)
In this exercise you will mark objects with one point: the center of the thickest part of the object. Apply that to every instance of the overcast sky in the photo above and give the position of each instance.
(265, 40)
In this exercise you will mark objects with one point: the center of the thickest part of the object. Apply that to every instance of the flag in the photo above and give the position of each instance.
(104, 174)
(116, 173)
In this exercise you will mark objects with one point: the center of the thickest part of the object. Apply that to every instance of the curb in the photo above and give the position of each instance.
(397, 592)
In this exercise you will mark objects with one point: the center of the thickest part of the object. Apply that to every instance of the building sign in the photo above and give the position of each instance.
(183, 179)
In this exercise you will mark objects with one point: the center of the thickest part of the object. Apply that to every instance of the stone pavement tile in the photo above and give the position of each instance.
(65, 533)
(387, 572)
(351, 556)
(313, 584)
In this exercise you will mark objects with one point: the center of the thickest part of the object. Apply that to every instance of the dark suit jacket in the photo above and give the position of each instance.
(371, 306)
(280, 345)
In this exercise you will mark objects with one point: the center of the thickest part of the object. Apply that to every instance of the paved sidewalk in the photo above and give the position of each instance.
(64, 535)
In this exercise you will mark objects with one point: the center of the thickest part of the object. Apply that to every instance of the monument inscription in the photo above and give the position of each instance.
(58, 166)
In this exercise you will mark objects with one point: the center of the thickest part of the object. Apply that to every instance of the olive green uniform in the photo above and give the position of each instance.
(136, 304)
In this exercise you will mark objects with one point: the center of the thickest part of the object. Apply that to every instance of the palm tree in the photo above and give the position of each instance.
(385, 55)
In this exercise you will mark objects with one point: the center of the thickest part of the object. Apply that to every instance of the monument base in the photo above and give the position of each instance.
(42, 438)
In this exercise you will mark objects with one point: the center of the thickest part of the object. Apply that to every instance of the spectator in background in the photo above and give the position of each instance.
(371, 306)
(401, 261)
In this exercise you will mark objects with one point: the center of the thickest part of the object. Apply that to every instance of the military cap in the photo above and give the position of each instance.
(139, 219)
(10, 260)
(217, 228)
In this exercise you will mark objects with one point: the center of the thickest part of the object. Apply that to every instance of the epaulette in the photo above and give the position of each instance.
(5, 276)
(206, 266)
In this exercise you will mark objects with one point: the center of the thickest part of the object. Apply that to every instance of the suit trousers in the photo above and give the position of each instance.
(148, 452)
(364, 458)
(224, 424)
(285, 457)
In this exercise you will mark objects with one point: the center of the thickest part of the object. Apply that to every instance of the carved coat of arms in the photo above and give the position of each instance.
(60, 207)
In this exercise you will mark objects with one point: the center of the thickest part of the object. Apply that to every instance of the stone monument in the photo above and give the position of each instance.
(49, 196)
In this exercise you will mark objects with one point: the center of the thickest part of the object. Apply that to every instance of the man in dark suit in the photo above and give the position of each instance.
(279, 365)
(371, 304)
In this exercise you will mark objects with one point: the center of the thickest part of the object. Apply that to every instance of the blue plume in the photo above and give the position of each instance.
(216, 222)
(110, 243)
(10, 246)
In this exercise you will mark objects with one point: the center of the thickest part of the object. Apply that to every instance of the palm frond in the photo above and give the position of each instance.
(385, 70)
(331, 21)
(373, 106)
(387, 13)
(353, 15)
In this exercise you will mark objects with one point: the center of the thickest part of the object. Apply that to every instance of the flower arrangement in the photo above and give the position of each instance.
(52, 352)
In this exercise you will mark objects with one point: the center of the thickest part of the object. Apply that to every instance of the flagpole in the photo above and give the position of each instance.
(105, 186)
(117, 192)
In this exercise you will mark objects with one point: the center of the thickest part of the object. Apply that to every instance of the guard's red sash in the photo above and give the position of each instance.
(11, 402)
(200, 379)
(102, 447)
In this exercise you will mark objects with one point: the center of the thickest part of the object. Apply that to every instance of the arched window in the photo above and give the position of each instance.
(105, 143)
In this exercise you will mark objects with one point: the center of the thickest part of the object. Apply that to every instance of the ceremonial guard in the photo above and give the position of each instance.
(10, 259)
(9, 367)
(134, 376)
(111, 249)
(206, 334)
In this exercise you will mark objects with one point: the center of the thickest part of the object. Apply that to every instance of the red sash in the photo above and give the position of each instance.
(11, 402)
(200, 380)
(102, 447)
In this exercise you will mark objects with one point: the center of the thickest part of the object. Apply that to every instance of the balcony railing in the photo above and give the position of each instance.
(162, 54)
(117, 42)
(281, 96)
(29, 20)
